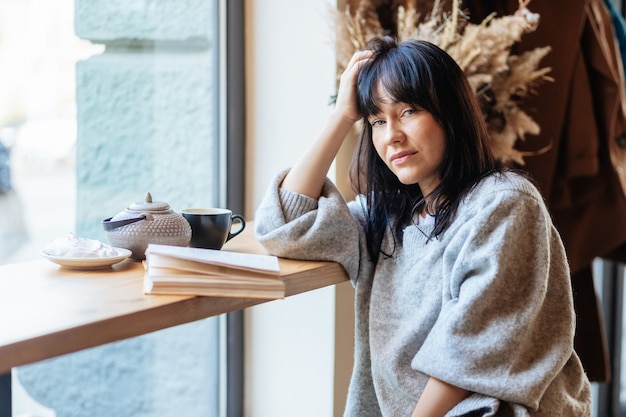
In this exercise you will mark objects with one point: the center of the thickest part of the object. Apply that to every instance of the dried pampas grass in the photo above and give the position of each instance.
(500, 79)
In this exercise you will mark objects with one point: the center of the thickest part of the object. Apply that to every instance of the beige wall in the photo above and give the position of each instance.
(291, 362)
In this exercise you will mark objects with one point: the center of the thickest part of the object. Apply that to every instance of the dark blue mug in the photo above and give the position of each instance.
(212, 227)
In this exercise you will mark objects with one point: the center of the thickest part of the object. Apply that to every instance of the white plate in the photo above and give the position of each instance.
(88, 263)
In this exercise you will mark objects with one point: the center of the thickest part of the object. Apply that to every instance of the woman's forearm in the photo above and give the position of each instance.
(438, 398)
(308, 174)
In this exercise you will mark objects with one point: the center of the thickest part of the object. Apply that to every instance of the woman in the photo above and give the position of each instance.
(463, 300)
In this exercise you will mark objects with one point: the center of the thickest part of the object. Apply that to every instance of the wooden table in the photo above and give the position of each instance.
(47, 311)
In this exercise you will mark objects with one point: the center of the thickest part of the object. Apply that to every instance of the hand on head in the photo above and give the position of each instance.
(346, 96)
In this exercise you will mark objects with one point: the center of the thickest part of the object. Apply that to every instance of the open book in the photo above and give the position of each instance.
(218, 273)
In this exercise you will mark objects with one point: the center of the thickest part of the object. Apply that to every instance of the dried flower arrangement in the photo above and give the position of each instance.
(500, 79)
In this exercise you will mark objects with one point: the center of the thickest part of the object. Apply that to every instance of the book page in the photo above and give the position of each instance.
(247, 261)
(174, 269)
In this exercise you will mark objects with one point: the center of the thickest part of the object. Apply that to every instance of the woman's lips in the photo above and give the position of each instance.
(401, 157)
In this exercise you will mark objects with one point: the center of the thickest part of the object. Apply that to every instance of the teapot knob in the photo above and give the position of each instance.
(148, 198)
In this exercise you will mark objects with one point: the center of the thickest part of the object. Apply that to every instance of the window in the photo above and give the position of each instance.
(103, 102)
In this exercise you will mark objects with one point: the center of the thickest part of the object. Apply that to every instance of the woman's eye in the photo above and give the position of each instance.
(376, 122)
(409, 112)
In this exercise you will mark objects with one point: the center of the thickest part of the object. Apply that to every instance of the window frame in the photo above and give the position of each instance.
(232, 106)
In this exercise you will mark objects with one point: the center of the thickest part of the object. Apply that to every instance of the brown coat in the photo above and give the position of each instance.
(582, 115)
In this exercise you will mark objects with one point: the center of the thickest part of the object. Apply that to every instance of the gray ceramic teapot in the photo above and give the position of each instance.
(147, 222)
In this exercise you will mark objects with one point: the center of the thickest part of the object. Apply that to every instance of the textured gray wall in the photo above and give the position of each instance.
(146, 123)
(170, 373)
(146, 107)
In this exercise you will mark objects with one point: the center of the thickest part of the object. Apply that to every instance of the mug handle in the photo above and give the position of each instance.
(242, 223)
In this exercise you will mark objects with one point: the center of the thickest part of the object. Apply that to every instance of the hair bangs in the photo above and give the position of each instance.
(395, 75)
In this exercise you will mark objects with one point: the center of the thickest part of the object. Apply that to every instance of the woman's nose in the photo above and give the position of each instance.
(394, 133)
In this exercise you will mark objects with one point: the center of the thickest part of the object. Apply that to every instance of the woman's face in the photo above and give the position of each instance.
(410, 142)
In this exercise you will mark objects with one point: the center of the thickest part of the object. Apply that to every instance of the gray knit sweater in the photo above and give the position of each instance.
(486, 306)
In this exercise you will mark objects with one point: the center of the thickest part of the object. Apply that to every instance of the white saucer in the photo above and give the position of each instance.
(88, 263)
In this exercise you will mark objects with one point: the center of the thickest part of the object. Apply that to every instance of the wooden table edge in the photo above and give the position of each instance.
(184, 310)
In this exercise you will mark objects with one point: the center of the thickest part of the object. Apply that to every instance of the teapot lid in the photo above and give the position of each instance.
(149, 205)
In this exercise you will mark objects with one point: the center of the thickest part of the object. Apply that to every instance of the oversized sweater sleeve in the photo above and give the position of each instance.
(506, 325)
(296, 226)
